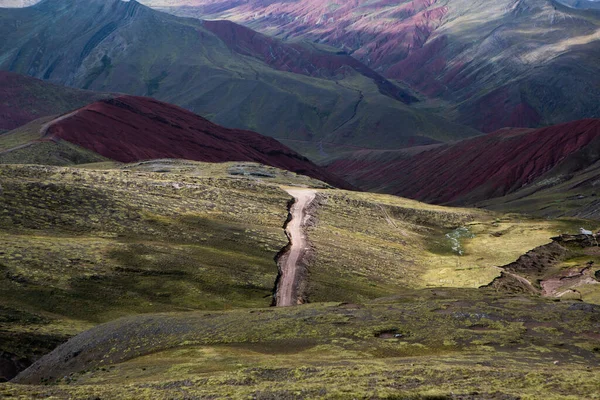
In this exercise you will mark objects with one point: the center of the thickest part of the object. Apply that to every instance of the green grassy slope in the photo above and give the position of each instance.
(212, 232)
(433, 344)
(82, 246)
(557, 194)
(25, 145)
(371, 245)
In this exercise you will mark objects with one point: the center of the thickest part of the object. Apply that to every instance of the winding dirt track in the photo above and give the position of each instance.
(43, 131)
(286, 295)
(44, 128)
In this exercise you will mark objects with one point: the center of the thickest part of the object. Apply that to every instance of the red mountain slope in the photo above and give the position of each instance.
(299, 58)
(477, 169)
(129, 129)
(379, 33)
(23, 99)
(525, 63)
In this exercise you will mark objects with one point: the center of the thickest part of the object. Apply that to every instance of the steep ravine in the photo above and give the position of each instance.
(291, 260)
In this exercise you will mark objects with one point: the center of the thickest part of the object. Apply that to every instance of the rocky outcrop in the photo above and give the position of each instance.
(538, 260)
(535, 272)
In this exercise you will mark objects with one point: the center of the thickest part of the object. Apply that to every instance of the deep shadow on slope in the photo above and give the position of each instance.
(478, 169)
(24, 99)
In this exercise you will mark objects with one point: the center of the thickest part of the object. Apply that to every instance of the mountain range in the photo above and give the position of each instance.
(233, 76)
(323, 98)
(165, 234)
(519, 63)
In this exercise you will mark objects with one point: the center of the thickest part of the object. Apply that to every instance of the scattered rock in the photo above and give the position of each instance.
(16, 278)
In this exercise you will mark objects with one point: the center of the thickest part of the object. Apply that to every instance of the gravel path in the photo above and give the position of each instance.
(286, 295)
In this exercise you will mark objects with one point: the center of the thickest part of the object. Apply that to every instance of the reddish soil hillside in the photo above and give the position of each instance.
(299, 58)
(129, 129)
(23, 99)
(525, 63)
(378, 33)
(476, 169)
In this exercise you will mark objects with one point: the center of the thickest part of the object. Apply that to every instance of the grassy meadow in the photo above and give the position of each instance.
(171, 265)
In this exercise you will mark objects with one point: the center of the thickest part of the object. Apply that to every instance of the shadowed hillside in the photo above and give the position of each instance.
(431, 344)
(128, 129)
(515, 163)
(23, 99)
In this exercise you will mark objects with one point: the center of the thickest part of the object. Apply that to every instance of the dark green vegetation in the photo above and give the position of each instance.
(428, 344)
(129, 48)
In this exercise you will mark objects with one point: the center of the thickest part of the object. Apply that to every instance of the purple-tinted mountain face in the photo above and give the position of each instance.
(520, 63)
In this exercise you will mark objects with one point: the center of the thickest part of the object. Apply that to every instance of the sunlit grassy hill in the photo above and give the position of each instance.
(82, 246)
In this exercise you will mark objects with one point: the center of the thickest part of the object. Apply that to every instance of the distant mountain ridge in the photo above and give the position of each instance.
(581, 4)
(304, 95)
(524, 63)
(480, 171)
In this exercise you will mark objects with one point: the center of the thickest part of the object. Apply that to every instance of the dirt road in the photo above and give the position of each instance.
(44, 128)
(286, 295)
